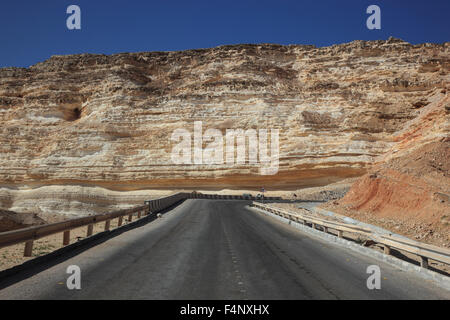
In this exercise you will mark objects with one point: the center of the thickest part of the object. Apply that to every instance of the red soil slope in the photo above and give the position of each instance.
(408, 190)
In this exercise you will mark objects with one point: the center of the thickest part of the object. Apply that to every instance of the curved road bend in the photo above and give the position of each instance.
(206, 249)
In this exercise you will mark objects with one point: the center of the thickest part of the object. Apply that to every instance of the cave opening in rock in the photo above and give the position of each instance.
(76, 114)
(72, 114)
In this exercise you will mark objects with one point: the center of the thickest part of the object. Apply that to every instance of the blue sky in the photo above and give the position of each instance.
(32, 31)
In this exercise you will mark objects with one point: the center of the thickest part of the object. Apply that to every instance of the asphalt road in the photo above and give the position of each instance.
(206, 249)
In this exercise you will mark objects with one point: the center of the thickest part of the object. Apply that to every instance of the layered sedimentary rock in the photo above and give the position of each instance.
(106, 121)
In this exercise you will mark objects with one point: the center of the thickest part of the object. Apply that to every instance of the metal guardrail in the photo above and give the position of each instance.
(28, 235)
(422, 250)
(229, 197)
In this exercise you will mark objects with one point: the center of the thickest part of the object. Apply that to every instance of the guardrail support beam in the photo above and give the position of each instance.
(90, 230)
(28, 249)
(424, 262)
(340, 234)
(387, 249)
(120, 221)
(130, 217)
(66, 237)
(107, 225)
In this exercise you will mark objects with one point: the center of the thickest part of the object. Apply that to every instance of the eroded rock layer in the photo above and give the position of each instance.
(106, 121)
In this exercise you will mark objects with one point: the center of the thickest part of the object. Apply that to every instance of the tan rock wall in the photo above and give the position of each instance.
(106, 121)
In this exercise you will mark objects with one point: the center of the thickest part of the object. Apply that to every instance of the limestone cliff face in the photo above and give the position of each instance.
(106, 121)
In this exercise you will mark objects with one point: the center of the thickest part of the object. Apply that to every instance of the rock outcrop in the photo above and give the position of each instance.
(10, 220)
(408, 188)
(97, 121)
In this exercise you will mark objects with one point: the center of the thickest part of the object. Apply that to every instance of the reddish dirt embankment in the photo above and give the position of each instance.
(408, 190)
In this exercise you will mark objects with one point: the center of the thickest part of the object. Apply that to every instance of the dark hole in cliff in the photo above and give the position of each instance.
(72, 114)
(420, 104)
(77, 113)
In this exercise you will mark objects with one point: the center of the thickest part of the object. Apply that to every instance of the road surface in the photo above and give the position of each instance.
(210, 249)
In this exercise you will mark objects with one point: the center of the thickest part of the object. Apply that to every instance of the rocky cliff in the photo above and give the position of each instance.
(97, 121)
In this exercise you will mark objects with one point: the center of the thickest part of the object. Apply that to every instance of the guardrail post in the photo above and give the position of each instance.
(325, 229)
(107, 225)
(340, 234)
(90, 230)
(139, 214)
(66, 237)
(387, 249)
(130, 217)
(424, 262)
(120, 221)
(28, 249)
